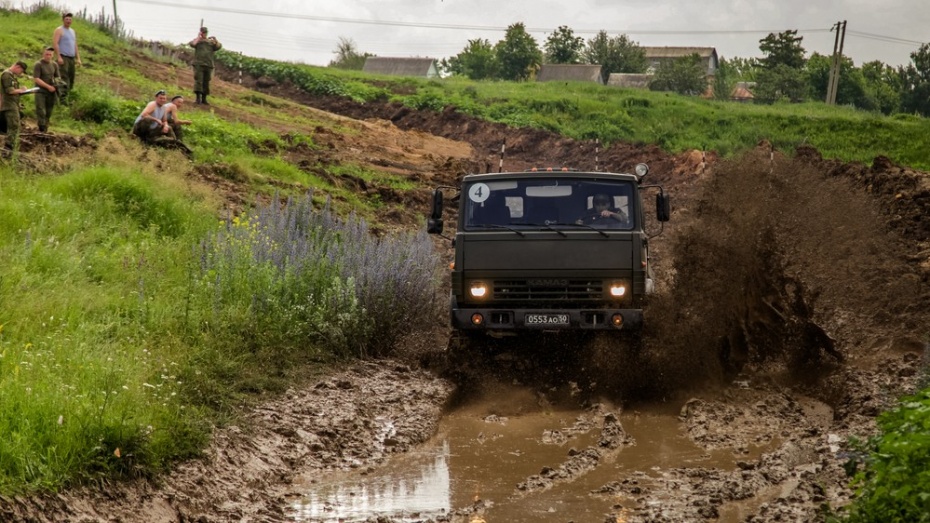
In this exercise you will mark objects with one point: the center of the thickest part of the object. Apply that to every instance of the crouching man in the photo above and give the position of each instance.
(152, 123)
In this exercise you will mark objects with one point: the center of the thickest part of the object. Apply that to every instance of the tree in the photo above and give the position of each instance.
(683, 75)
(518, 54)
(563, 47)
(782, 76)
(615, 55)
(724, 80)
(780, 83)
(347, 55)
(743, 69)
(851, 88)
(915, 82)
(477, 61)
(883, 83)
(783, 49)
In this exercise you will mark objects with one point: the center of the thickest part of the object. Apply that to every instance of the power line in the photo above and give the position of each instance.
(280, 41)
(424, 25)
(883, 38)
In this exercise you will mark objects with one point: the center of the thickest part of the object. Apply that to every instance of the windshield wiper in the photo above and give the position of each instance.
(549, 226)
(595, 229)
(498, 226)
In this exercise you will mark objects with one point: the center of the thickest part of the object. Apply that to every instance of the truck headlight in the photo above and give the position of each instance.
(478, 290)
(617, 290)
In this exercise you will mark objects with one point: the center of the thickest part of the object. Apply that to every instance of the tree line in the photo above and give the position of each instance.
(784, 73)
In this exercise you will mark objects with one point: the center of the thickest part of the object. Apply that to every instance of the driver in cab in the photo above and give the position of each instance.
(601, 214)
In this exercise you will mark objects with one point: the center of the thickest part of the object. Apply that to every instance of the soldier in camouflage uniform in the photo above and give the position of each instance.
(9, 107)
(47, 76)
(204, 49)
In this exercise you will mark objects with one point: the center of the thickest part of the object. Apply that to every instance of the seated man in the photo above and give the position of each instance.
(174, 120)
(601, 214)
(151, 124)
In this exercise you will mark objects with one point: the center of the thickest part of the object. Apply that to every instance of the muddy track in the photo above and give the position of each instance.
(762, 260)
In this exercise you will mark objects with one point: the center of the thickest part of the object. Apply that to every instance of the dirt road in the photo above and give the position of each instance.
(811, 274)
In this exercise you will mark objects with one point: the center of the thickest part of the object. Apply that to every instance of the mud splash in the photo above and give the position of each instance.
(774, 263)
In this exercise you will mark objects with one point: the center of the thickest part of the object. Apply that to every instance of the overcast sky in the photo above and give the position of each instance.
(308, 31)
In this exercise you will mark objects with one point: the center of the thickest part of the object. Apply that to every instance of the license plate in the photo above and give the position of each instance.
(546, 319)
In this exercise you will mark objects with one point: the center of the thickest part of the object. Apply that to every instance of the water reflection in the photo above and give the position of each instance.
(410, 488)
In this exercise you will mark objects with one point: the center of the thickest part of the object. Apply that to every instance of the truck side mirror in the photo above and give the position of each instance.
(663, 207)
(434, 223)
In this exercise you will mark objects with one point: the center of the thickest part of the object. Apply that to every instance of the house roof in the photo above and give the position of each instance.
(678, 52)
(569, 73)
(399, 66)
(741, 91)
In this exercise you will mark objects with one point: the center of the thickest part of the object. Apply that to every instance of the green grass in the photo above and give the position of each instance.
(91, 347)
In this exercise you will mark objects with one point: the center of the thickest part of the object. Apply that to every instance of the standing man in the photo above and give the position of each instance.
(64, 40)
(204, 49)
(46, 75)
(9, 107)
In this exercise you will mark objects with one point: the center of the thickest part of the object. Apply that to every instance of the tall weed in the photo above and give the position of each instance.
(295, 277)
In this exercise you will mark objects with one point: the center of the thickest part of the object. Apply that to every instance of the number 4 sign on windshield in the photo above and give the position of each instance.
(479, 192)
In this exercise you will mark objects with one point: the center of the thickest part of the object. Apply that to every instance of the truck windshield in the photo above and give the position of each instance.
(527, 204)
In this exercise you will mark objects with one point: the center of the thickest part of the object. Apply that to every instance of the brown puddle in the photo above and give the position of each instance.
(484, 449)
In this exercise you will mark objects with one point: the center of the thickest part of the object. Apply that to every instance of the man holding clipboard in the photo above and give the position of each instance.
(9, 107)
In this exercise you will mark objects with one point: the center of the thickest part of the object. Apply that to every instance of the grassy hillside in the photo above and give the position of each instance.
(588, 111)
(138, 302)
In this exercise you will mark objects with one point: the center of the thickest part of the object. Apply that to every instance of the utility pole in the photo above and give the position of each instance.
(837, 63)
(836, 46)
(115, 20)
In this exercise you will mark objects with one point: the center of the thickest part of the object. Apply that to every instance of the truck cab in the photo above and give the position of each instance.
(549, 250)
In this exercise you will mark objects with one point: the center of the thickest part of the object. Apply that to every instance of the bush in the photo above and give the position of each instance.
(894, 485)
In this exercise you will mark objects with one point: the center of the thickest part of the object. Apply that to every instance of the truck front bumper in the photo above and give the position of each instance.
(492, 319)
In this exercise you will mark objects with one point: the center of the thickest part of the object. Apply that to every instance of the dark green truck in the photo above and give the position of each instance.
(553, 250)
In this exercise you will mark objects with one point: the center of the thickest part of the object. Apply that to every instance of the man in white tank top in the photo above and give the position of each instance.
(64, 40)
(152, 123)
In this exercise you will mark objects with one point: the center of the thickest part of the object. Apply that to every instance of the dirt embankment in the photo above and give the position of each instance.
(802, 263)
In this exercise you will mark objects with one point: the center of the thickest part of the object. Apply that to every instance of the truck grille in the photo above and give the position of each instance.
(548, 289)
